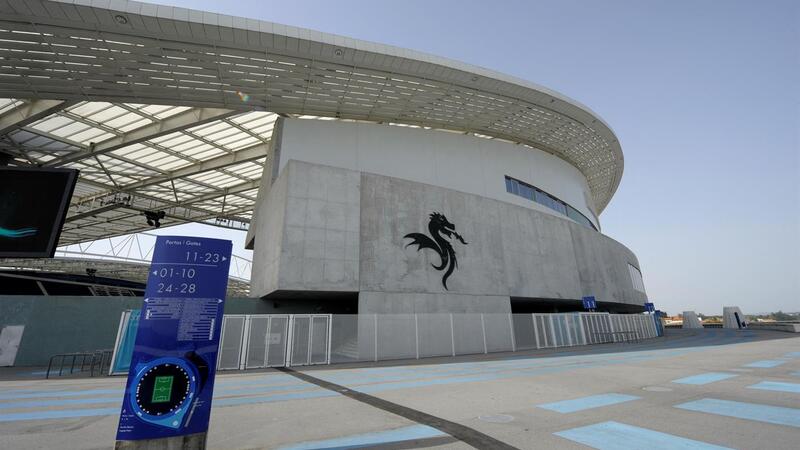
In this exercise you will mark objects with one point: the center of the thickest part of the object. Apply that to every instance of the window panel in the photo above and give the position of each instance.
(517, 187)
(636, 278)
(526, 191)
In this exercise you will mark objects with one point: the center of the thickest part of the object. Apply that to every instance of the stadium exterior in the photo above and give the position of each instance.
(392, 180)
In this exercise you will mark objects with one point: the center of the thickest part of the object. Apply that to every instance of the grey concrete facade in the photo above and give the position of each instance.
(327, 229)
(307, 232)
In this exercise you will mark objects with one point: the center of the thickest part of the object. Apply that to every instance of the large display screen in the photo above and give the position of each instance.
(33, 204)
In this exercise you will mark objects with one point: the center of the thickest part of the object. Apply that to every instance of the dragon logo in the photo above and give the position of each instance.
(441, 230)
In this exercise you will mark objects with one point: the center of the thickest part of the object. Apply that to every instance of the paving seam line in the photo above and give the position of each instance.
(465, 434)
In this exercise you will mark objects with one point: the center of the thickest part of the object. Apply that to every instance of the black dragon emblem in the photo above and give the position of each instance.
(441, 230)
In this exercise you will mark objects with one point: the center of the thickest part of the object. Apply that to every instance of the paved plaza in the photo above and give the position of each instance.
(692, 389)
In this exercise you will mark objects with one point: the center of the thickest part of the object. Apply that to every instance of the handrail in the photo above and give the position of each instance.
(99, 358)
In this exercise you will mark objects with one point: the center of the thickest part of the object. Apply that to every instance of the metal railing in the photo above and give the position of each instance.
(99, 359)
(252, 341)
(619, 336)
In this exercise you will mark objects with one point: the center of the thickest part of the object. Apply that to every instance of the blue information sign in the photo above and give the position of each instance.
(589, 303)
(649, 307)
(171, 377)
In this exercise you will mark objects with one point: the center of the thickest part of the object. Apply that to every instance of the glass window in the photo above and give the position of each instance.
(636, 278)
(542, 198)
(526, 191)
(550, 202)
(559, 206)
(531, 193)
(573, 214)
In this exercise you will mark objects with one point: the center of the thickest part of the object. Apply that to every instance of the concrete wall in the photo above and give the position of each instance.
(776, 326)
(320, 238)
(61, 324)
(450, 160)
(511, 251)
(268, 226)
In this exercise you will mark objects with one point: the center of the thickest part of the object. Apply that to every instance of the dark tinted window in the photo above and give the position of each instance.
(530, 192)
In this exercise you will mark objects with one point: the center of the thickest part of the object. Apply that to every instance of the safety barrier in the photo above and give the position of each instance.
(257, 341)
(263, 340)
(99, 359)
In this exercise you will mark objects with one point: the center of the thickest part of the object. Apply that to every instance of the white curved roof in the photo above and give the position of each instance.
(169, 108)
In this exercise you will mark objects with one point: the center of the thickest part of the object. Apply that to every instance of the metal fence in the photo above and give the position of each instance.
(257, 341)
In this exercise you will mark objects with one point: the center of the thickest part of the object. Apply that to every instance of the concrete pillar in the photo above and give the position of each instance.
(690, 320)
(732, 317)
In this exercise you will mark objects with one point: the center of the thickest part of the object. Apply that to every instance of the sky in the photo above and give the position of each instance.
(704, 97)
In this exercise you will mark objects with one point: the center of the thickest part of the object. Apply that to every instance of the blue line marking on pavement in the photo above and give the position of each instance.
(228, 401)
(777, 386)
(750, 411)
(368, 380)
(273, 398)
(370, 439)
(797, 374)
(705, 378)
(766, 363)
(59, 414)
(237, 380)
(263, 390)
(373, 388)
(45, 394)
(72, 401)
(792, 355)
(619, 436)
(223, 391)
(592, 401)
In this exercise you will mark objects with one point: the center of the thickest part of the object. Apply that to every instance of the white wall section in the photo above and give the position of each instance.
(449, 160)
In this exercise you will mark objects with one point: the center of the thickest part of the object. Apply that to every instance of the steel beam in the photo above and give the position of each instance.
(247, 154)
(181, 121)
(28, 113)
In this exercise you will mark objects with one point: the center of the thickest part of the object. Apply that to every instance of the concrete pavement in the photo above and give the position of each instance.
(695, 388)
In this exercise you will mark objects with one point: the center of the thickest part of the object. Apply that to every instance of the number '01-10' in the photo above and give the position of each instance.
(170, 272)
(207, 257)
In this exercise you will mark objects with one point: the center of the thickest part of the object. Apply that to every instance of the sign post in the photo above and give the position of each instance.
(167, 401)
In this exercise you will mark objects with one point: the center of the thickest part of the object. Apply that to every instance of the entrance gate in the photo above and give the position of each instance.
(274, 340)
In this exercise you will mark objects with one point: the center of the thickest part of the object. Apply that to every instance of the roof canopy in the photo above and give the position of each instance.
(171, 109)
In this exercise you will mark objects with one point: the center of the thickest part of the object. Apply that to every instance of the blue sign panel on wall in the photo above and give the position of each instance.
(171, 376)
(589, 303)
(649, 307)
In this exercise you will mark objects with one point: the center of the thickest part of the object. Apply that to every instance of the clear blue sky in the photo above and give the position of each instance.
(704, 96)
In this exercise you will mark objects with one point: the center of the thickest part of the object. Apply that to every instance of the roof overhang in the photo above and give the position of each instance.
(130, 52)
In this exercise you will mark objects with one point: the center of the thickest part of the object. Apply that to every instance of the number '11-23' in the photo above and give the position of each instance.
(206, 257)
